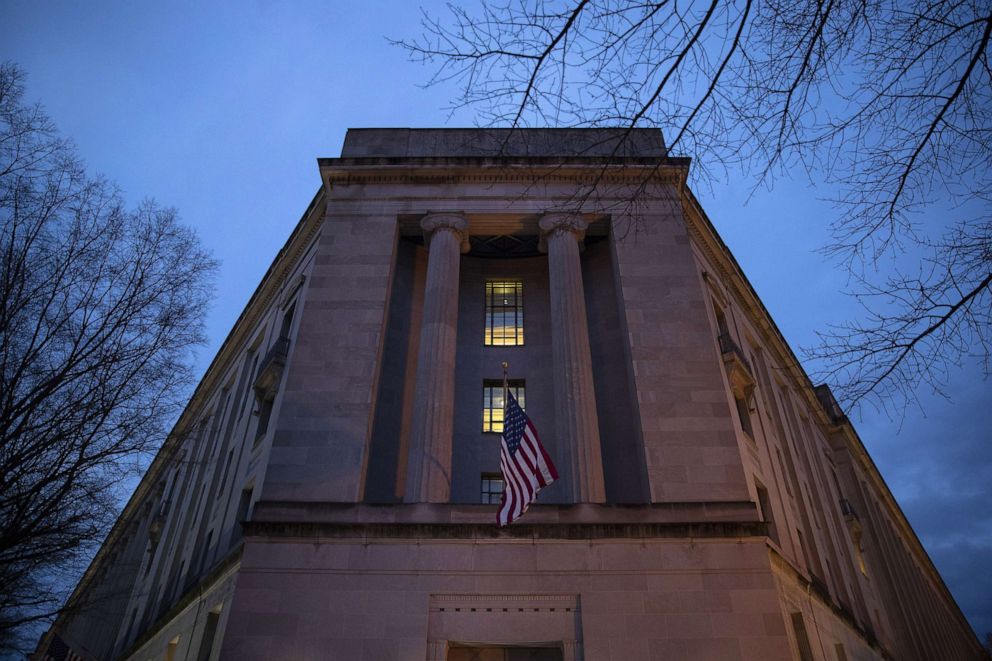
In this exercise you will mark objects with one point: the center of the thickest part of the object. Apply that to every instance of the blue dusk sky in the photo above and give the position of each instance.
(221, 110)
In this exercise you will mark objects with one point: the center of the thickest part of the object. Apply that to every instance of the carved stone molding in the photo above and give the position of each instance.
(556, 224)
(433, 172)
(505, 620)
(449, 222)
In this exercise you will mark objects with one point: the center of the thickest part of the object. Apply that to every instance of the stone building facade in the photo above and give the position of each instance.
(330, 491)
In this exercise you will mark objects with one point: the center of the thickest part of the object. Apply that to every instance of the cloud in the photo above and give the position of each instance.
(938, 464)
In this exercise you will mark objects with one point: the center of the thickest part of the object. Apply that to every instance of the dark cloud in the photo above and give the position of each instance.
(938, 464)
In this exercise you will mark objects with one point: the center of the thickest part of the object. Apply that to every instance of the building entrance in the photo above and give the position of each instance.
(504, 654)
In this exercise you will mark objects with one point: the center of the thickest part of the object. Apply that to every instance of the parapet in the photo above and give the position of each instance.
(543, 142)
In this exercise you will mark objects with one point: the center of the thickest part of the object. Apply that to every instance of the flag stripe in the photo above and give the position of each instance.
(514, 488)
(526, 466)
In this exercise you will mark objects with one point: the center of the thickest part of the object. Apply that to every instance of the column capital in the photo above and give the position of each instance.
(450, 221)
(555, 223)
(559, 224)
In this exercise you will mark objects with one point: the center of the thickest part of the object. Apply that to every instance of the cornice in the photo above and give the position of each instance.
(447, 171)
(262, 531)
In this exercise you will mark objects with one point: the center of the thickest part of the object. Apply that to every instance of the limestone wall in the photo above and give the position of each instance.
(602, 600)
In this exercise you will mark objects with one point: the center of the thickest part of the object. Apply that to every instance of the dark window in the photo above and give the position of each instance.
(802, 640)
(209, 633)
(244, 505)
(287, 321)
(227, 467)
(781, 464)
(721, 321)
(745, 416)
(244, 511)
(264, 416)
(492, 488)
(504, 314)
(177, 589)
(204, 559)
(492, 403)
(766, 510)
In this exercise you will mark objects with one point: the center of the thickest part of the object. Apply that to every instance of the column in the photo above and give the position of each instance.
(575, 398)
(428, 475)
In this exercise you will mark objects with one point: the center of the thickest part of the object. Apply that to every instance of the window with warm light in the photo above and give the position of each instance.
(504, 313)
(492, 403)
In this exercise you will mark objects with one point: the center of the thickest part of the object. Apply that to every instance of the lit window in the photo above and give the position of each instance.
(504, 313)
(492, 488)
(492, 403)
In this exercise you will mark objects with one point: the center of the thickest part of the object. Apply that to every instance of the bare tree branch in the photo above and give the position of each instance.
(887, 103)
(99, 308)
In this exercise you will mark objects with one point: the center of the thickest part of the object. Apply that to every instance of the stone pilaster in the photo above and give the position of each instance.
(575, 398)
(428, 476)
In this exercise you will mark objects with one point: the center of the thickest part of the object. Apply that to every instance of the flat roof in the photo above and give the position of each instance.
(462, 142)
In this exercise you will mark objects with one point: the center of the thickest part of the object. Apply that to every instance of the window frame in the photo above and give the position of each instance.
(490, 310)
(744, 416)
(490, 496)
(519, 389)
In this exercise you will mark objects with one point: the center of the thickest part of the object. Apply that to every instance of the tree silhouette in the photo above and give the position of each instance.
(99, 307)
(887, 102)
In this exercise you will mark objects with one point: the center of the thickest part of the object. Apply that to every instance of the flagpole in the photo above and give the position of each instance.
(506, 389)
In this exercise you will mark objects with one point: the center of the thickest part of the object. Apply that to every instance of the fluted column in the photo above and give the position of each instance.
(575, 398)
(428, 474)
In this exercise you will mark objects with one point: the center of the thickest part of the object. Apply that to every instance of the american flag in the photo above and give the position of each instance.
(526, 466)
(59, 651)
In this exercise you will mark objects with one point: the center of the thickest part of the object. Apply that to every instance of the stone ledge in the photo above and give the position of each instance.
(213, 575)
(269, 511)
(615, 162)
(262, 531)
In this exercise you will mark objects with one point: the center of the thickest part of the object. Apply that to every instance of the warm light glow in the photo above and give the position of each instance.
(504, 314)
(492, 403)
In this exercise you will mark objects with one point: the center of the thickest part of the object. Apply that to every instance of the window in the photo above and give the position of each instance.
(287, 321)
(204, 558)
(492, 488)
(209, 633)
(721, 321)
(504, 314)
(492, 403)
(781, 464)
(860, 553)
(766, 510)
(227, 468)
(745, 417)
(244, 511)
(264, 416)
(178, 587)
(802, 640)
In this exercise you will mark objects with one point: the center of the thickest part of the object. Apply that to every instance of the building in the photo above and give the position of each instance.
(329, 492)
